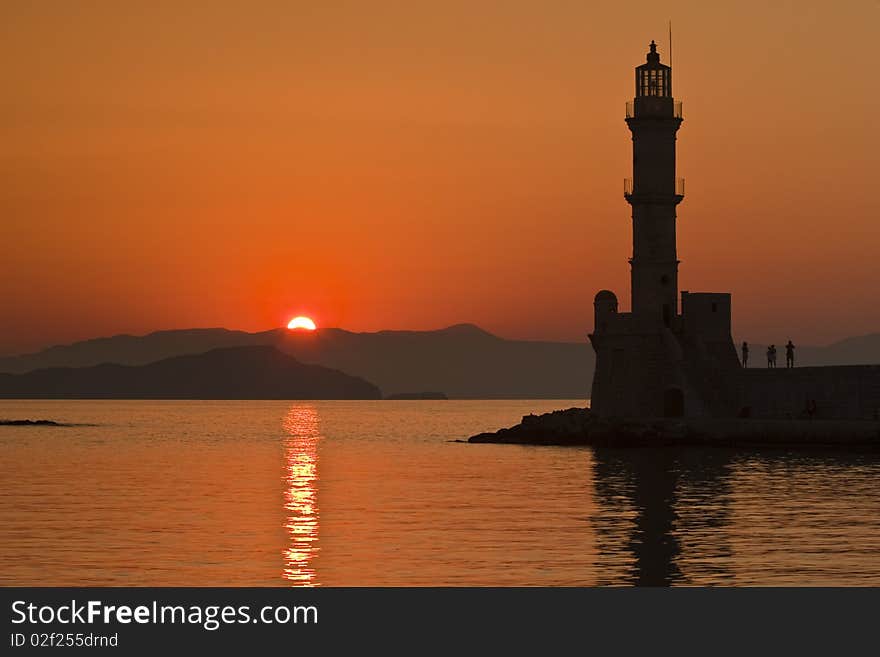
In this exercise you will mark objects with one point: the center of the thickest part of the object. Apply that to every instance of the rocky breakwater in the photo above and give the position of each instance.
(576, 426)
(571, 426)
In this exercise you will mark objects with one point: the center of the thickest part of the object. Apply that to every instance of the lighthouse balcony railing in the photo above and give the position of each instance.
(628, 187)
(631, 111)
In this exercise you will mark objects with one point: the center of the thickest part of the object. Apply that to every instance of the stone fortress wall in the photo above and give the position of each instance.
(839, 392)
(692, 369)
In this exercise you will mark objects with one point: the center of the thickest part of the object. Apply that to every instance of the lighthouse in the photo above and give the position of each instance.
(660, 359)
(654, 192)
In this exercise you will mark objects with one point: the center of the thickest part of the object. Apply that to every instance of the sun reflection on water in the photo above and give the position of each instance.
(300, 493)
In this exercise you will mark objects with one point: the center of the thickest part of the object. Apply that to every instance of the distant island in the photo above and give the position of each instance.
(233, 373)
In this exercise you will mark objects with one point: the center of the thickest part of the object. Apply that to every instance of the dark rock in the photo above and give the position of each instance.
(561, 427)
(30, 423)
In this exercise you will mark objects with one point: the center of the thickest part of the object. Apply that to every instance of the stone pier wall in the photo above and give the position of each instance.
(844, 392)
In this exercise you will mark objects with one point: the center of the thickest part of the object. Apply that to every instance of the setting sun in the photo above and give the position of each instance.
(301, 323)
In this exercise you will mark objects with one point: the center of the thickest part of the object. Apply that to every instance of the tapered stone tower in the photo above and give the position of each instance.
(657, 359)
(654, 192)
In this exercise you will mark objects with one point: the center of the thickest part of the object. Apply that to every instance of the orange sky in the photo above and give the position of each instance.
(413, 165)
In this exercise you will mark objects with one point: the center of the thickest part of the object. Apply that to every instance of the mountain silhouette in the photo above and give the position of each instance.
(134, 350)
(254, 372)
(462, 361)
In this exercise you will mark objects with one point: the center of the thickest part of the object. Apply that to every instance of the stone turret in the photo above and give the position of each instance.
(604, 309)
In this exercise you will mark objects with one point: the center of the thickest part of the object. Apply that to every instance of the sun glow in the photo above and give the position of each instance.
(301, 323)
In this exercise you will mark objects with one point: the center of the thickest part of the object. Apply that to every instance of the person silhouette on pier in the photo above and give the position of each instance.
(810, 409)
(771, 356)
(789, 354)
(745, 350)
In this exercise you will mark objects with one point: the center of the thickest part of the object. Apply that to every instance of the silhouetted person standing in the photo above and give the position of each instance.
(810, 409)
(789, 354)
(770, 356)
(745, 349)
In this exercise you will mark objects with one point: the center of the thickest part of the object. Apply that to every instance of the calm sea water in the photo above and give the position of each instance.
(373, 493)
